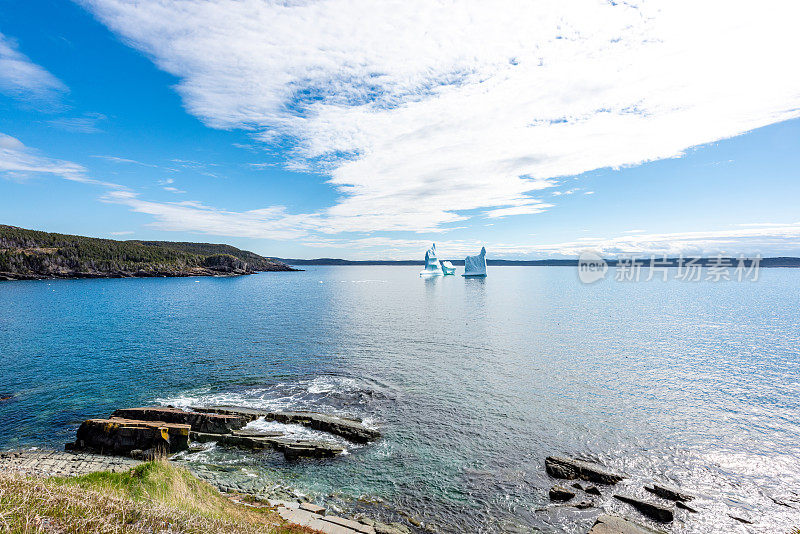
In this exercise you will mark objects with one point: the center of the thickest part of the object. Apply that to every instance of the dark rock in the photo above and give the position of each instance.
(610, 524)
(578, 485)
(559, 493)
(568, 468)
(669, 493)
(200, 422)
(685, 506)
(5, 397)
(592, 490)
(651, 510)
(741, 519)
(584, 504)
(348, 428)
(121, 436)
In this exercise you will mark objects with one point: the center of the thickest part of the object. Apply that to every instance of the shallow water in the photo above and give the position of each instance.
(473, 382)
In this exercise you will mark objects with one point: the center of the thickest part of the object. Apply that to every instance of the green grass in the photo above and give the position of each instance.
(153, 497)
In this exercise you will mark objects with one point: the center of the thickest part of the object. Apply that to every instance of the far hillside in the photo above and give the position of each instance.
(253, 260)
(32, 254)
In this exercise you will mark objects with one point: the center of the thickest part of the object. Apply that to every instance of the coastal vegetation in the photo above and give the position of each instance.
(152, 497)
(34, 254)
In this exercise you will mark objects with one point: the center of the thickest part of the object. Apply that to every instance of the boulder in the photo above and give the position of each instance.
(570, 469)
(559, 493)
(121, 436)
(348, 428)
(611, 524)
(669, 493)
(651, 510)
(200, 422)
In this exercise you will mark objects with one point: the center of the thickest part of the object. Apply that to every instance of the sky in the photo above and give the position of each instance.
(363, 130)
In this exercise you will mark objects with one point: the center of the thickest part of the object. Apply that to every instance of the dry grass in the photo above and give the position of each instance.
(154, 497)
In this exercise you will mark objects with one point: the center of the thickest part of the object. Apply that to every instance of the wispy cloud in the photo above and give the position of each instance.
(193, 216)
(90, 123)
(749, 239)
(24, 80)
(421, 112)
(18, 162)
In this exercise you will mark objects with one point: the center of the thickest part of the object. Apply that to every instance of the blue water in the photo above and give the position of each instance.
(473, 382)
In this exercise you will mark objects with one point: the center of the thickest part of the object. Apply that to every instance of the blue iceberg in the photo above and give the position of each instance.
(475, 265)
(447, 268)
(432, 267)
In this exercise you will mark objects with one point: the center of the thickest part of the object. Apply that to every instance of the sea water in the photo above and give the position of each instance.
(473, 382)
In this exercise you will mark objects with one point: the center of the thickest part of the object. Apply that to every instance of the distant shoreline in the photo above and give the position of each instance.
(670, 262)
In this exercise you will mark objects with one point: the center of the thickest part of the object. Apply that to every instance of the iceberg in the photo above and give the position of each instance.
(432, 267)
(475, 265)
(447, 268)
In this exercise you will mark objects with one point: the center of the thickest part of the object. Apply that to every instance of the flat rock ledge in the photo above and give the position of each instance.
(314, 517)
(567, 468)
(200, 422)
(348, 428)
(47, 463)
(122, 436)
(611, 524)
(155, 431)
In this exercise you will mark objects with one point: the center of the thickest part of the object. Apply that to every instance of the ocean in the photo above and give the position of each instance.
(473, 382)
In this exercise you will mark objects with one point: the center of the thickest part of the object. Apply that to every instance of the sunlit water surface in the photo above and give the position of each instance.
(472, 382)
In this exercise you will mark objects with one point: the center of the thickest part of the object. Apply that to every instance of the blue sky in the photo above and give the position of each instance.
(334, 129)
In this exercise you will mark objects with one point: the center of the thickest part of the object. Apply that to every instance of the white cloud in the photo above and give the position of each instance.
(421, 111)
(749, 239)
(18, 162)
(22, 79)
(192, 216)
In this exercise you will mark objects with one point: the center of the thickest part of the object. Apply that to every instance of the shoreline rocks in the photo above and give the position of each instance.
(669, 493)
(348, 428)
(611, 524)
(121, 436)
(200, 422)
(569, 469)
(560, 493)
(654, 511)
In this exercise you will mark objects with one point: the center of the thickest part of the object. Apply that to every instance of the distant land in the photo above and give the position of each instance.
(670, 262)
(31, 254)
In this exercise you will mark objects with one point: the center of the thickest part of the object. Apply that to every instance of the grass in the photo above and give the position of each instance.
(153, 497)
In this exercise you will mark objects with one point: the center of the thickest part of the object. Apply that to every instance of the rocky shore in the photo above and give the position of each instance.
(133, 435)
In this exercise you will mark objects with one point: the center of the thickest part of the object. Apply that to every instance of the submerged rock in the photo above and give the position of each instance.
(569, 469)
(611, 524)
(290, 449)
(345, 427)
(560, 493)
(121, 436)
(669, 493)
(592, 490)
(686, 507)
(200, 422)
(651, 510)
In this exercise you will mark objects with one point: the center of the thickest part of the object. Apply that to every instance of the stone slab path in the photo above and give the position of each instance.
(50, 463)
